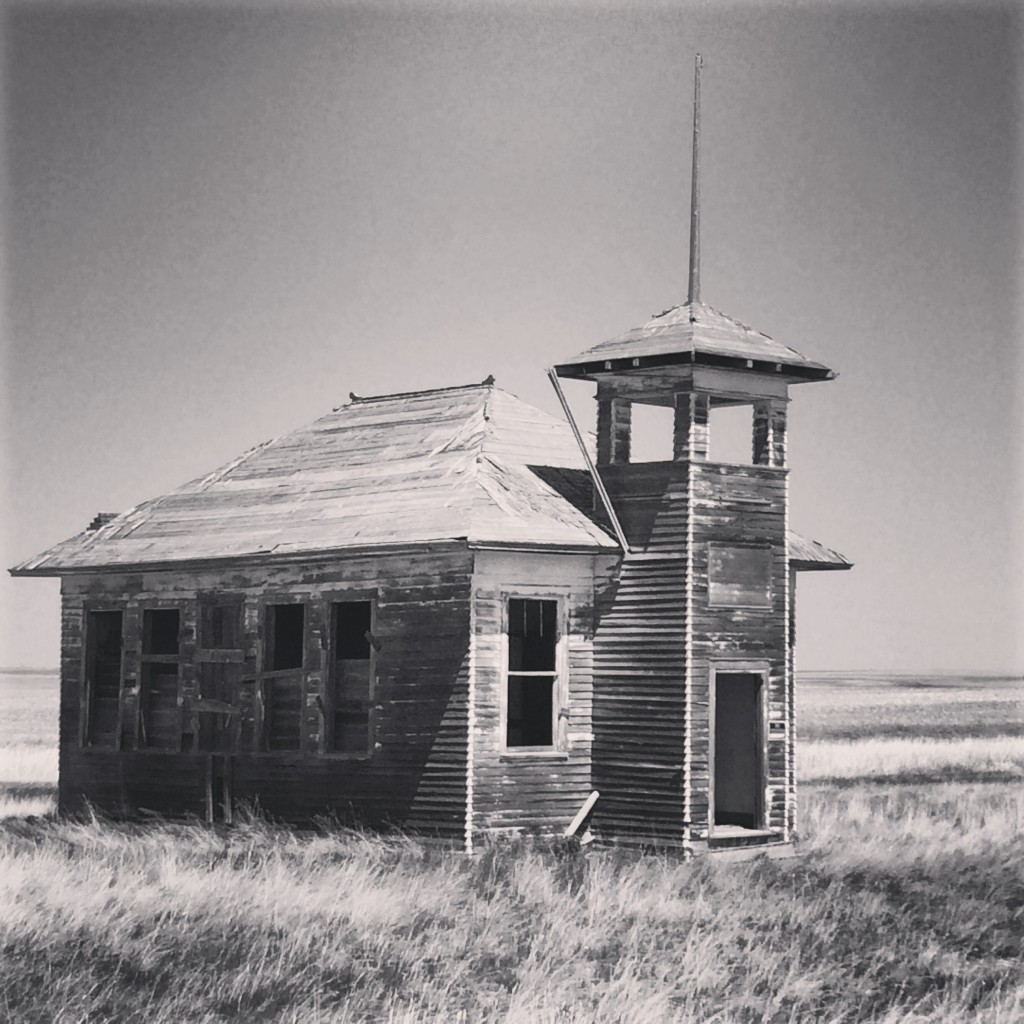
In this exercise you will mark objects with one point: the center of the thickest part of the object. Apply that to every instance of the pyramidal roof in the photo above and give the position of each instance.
(692, 332)
(431, 466)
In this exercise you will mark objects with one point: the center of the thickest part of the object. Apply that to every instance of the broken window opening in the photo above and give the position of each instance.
(651, 438)
(532, 672)
(160, 631)
(731, 434)
(159, 709)
(285, 636)
(350, 693)
(103, 633)
(284, 651)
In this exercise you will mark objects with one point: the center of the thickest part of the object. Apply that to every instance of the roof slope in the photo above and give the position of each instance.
(697, 329)
(472, 463)
(805, 553)
(428, 466)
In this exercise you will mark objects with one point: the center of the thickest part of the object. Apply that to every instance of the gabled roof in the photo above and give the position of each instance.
(431, 466)
(692, 332)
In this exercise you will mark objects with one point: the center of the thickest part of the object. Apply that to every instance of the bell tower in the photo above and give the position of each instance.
(693, 679)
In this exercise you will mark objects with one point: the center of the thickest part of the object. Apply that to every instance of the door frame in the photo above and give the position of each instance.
(751, 668)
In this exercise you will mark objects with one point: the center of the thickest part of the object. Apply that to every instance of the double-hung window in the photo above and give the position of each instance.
(533, 690)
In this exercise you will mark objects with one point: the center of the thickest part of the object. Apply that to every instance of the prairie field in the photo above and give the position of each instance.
(905, 901)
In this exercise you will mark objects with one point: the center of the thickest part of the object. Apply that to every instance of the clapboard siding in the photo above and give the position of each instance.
(416, 774)
(742, 505)
(641, 713)
(639, 660)
(512, 790)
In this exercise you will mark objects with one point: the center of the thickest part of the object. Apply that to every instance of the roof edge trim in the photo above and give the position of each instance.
(452, 543)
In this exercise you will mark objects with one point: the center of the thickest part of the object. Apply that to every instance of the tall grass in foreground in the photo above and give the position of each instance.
(907, 905)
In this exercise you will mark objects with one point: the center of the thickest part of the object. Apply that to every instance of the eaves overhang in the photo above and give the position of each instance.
(594, 370)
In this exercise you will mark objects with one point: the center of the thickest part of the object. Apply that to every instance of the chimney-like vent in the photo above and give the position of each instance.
(101, 519)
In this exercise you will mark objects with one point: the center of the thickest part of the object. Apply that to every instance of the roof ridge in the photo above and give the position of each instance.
(355, 399)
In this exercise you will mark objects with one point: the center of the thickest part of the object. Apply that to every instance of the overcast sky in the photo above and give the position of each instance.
(218, 222)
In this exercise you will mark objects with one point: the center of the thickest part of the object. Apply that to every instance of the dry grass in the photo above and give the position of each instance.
(173, 923)
(906, 904)
(908, 758)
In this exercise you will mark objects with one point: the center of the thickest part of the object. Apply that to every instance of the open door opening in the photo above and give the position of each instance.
(738, 782)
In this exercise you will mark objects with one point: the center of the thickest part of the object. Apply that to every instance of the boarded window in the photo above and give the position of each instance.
(285, 637)
(739, 577)
(532, 673)
(159, 711)
(220, 625)
(218, 714)
(351, 677)
(161, 715)
(102, 677)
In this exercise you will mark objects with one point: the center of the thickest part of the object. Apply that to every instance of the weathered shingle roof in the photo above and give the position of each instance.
(471, 464)
(805, 553)
(404, 469)
(692, 330)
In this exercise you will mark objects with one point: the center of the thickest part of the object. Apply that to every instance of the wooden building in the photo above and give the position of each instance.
(432, 610)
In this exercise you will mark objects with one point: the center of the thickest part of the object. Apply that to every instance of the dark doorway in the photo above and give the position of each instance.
(738, 749)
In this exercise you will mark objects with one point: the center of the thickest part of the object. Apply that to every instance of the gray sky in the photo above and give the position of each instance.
(221, 221)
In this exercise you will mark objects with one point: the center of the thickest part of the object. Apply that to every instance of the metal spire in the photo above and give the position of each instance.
(694, 293)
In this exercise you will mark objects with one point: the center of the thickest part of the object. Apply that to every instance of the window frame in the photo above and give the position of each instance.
(560, 684)
(326, 707)
(86, 697)
(716, 602)
(144, 660)
(206, 601)
(761, 669)
(265, 675)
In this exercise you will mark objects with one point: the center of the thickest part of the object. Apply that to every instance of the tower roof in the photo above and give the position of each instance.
(693, 333)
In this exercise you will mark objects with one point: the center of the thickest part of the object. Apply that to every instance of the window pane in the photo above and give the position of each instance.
(103, 675)
(532, 635)
(351, 624)
(530, 711)
(160, 631)
(287, 621)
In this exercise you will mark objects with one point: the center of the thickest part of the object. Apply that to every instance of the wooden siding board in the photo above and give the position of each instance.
(416, 775)
(536, 793)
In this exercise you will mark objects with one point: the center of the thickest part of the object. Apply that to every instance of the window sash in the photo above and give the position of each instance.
(528, 618)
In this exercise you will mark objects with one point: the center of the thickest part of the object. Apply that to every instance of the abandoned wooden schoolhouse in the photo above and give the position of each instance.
(445, 611)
